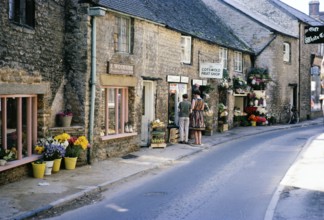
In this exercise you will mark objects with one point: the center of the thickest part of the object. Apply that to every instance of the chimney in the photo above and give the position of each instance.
(314, 8)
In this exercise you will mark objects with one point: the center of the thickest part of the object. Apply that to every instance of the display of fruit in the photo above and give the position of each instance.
(157, 123)
(159, 140)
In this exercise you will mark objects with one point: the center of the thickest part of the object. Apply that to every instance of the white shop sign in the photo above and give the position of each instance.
(211, 70)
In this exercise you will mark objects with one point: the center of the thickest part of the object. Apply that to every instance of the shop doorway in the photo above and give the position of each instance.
(148, 109)
(176, 90)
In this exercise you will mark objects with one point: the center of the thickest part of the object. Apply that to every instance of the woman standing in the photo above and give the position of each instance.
(197, 116)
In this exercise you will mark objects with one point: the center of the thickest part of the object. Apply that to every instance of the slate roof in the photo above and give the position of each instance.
(260, 18)
(191, 17)
(298, 14)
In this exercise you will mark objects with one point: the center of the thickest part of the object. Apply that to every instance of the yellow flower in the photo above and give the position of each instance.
(62, 137)
(82, 141)
(39, 149)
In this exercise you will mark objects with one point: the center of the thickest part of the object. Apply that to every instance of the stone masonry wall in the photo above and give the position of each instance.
(156, 54)
(31, 60)
(36, 54)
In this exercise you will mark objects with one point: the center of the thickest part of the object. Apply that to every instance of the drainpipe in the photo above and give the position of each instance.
(93, 12)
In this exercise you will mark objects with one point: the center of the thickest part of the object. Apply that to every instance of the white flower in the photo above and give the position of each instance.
(65, 144)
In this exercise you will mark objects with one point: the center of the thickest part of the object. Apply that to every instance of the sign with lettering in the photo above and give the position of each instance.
(172, 78)
(123, 69)
(211, 70)
(314, 34)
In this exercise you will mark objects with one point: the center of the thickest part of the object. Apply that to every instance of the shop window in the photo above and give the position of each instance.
(18, 126)
(116, 112)
(320, 51)
(286, 52)
(186, 49)
(316, 87)
(123, 36)
(238, 64)
(22, 12)
(223, 56)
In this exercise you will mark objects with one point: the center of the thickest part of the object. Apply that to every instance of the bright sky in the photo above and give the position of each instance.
(302, 5)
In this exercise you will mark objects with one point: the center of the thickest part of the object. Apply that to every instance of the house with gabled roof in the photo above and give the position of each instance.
(117, 65)
(275, 32)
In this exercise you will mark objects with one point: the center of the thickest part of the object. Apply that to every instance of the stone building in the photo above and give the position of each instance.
(161, 62)
(270, 26)
(119, 65)
(112, 64)
(32, 73)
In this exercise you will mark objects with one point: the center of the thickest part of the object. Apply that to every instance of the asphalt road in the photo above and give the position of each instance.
(234, 180)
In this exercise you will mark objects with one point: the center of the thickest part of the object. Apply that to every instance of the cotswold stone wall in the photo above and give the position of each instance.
(32, 62)
(34, 56)
(156, 55)
(77, 61)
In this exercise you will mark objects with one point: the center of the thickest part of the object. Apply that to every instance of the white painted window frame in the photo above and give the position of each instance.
(223, 54)
(238, 61)
(122, 34)
(186, 49)
(286, 52)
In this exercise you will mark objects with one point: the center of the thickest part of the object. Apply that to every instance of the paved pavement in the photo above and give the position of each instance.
(29, 196)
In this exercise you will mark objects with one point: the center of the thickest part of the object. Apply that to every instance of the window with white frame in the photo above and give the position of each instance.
(320, 49)
(223, 56)
(286, 52)
(115, 110)
(18, 125)
(22, 12)
(122, 35)
(238, 63)
(186, 49)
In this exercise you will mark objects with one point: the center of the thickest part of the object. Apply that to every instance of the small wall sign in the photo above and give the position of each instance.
(171, 78)
(122, 69)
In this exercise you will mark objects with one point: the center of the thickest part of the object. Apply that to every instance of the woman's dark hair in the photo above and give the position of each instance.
(196, 92)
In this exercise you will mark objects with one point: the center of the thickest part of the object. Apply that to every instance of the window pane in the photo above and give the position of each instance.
(185, 49)
(117, 105)
(111, 114)
(123, 34)
(120, 111)
(30, 12)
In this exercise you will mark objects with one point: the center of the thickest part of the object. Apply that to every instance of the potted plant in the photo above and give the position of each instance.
(6, 155)
(3, 153)
(51, 150)
(258, 78)
(222, 117)
(75, 146)
(39, 167)
(65, 118)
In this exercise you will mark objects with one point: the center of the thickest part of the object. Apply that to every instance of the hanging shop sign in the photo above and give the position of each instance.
(314, 34)
(211, 70)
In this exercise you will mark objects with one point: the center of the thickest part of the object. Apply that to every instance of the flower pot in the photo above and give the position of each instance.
(39, 170)
(57, 165)
(70, 162)
(3, 162)
(65, 121)
(49, 167)
(253, 123)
